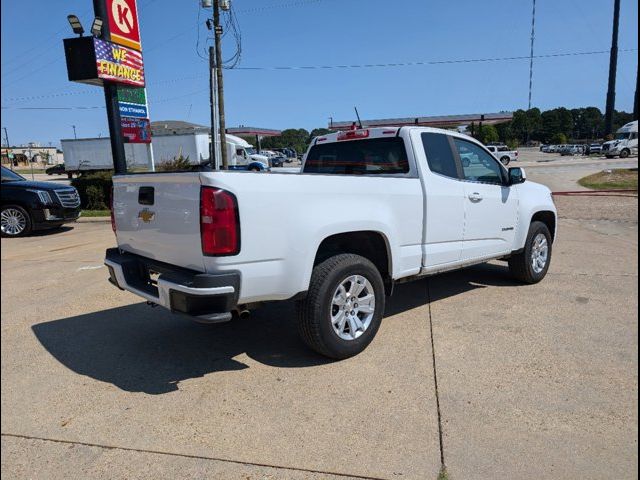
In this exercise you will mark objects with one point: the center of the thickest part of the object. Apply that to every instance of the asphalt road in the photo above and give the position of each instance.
(532, 381)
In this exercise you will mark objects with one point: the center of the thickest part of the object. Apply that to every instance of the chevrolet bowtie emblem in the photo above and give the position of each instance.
(146, 215)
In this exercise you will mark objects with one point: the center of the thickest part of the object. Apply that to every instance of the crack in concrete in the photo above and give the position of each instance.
(186, 455)
(443, 467)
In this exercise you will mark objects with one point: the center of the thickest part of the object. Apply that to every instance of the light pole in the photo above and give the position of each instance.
(74, 132)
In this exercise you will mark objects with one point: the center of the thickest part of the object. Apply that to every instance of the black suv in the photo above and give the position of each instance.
(28, 206)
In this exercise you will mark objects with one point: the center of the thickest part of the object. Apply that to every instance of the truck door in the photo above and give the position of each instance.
(491, 207)
(444, 200)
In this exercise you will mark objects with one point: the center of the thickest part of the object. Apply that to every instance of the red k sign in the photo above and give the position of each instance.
(123, 23)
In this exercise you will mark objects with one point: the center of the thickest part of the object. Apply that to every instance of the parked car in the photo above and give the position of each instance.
(56, 170)
(570, 150)
(373, 207)
(28, 206)
(503, 153)
(595, 148)
(277, 161)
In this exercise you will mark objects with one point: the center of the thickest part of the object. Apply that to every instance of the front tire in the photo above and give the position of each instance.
(625, 153)
(14, 221)
(532, 265)
(344, 306)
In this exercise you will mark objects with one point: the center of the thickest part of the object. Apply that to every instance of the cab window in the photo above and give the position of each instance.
(478, 165)
(439, 154)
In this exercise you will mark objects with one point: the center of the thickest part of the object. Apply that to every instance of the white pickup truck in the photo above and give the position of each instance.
(370, 208)
(503, 153)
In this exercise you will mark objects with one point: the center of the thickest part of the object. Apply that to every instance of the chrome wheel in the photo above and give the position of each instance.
(352, 307)
(12, 221)
(539, 253)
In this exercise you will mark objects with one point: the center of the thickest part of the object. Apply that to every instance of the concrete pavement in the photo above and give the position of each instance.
(533, 382)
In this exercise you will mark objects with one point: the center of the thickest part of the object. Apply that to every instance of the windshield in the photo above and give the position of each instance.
(622, 136)
(9, 176)
(371, 157)
(251, 151)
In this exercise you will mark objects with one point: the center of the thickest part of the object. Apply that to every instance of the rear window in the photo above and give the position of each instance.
(379, 156)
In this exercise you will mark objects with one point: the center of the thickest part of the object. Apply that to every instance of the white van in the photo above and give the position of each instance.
(625, 143)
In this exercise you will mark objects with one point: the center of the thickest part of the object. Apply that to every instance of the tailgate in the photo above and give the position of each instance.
(158, 216)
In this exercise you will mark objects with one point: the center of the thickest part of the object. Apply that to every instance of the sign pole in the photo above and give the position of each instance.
(111, 100)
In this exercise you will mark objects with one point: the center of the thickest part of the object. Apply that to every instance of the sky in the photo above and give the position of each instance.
(39, 104)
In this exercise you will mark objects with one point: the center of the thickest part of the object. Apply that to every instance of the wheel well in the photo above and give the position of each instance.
(370, 245)
(548, 218)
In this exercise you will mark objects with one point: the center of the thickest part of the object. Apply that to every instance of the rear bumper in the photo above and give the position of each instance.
(209, 297)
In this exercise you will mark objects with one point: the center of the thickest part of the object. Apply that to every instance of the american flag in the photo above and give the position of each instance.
(119, 64)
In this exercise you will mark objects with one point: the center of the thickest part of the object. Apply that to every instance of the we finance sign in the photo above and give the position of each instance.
(119, 64)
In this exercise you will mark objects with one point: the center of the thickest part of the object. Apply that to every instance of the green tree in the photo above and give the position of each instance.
(559, 139)
(488, 134)
(520, 125)
(534, 123)
(620, 119)
(298, 139)
(318, 132)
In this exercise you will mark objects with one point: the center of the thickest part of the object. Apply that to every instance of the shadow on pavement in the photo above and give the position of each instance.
(142, 349)
(51, 231)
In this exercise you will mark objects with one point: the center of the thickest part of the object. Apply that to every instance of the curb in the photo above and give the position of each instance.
(94, 220)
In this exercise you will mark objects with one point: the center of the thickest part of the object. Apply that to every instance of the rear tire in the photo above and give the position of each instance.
(505, 160)
(340, 286)
(532, 265)
(625, 153)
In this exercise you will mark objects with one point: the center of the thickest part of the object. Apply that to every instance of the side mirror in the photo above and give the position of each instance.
(517, 175)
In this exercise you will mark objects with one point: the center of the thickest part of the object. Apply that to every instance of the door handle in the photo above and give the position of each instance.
(475, 197)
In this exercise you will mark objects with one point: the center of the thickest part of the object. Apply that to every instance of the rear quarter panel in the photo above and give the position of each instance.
(285, 217)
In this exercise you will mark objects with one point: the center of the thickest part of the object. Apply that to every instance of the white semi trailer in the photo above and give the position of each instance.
(91, 154)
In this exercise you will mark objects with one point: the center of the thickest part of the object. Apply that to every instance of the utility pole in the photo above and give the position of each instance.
(212, 101)
(217, 31)
(533, 39)
(635, 102)
(613, 65)
(6, 137)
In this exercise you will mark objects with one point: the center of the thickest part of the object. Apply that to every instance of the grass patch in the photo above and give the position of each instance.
(620, 179)
(443, 475)
(96, 213)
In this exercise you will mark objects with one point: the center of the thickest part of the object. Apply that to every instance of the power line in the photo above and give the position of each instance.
(433, 62)
(329, 67)
(298, 3)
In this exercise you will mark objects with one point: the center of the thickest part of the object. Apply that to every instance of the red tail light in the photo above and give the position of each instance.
(113, 217)
(353, 134)
(219, 222)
